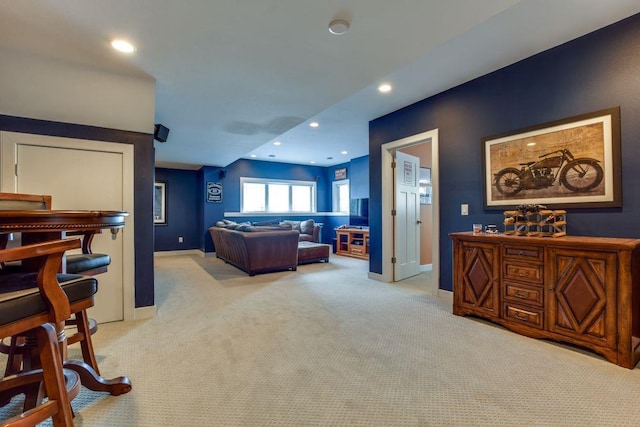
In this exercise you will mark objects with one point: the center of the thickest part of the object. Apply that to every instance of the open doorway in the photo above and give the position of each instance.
(388, 150)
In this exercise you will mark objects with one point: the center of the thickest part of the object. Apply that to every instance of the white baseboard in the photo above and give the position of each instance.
(445, 295)
(426, 267)
(144, 312)
(375, 276)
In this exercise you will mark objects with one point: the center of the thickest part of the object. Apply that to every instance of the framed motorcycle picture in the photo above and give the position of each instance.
(569, 163)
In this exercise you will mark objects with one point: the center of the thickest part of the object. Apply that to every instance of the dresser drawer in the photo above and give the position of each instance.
(523, 293)
(528, 316)
(523, 272)
(523, 252)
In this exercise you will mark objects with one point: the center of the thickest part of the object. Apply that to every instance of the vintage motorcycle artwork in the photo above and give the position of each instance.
(579, 175)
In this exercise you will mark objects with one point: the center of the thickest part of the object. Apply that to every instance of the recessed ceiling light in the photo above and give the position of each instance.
(314, 124)
(384, 88)
(277, 143)
(338, 26)
(329, 158)
(313, 162)
(272, 155)
(343, 152)
(253, 156)
(123, 46)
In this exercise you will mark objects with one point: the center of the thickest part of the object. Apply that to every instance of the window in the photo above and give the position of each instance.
(275, 195)
(340, 195)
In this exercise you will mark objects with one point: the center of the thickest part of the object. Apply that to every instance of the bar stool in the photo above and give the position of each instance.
(87, 263)
(29, 304)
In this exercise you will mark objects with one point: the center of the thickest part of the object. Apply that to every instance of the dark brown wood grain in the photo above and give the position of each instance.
(579, 290)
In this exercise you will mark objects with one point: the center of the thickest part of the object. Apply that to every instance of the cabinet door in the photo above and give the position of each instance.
(582, 295)
(477, 278)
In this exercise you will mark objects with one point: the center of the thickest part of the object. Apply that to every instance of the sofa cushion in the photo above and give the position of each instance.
(277, 227)
(274, 221)
(231, 225)
(225, 223)
(306, 227)
(295, 225)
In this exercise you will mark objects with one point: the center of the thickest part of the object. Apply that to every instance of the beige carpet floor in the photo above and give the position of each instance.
(326, 346)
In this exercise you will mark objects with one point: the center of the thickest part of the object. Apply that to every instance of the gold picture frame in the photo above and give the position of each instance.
(569, 163)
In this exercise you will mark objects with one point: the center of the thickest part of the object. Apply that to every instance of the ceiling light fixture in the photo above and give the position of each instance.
(343, 152)
(314, 124)
(253, 156)
(123, 46)
(313, 162)
(338, 26)
(384, 88)
(277, 143)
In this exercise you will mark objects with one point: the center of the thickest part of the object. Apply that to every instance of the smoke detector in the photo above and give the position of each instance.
(338, 26)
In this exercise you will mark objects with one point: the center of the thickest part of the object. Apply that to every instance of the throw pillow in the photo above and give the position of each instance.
(295, 225)
(306, 227)
(225, 223)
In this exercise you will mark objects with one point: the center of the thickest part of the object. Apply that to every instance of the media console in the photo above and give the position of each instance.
(353, 242)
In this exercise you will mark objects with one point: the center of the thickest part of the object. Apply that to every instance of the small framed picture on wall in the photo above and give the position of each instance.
(160, 203)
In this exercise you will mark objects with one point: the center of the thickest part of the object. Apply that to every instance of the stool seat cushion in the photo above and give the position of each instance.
(77, 263)
(20, 296)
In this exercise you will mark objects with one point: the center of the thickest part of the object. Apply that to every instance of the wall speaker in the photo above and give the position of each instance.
(161, 133)
(222, 173)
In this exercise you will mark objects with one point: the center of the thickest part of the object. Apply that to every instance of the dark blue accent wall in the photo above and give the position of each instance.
(595, 72)
(182, 212)
(359, 179)
(190, 215)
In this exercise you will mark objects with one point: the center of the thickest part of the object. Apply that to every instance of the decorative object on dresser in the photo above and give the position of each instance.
(535, 220)
(579, 290)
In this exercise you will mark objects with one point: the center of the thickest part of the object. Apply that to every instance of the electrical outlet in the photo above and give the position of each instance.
(180, 239)
(464, 209)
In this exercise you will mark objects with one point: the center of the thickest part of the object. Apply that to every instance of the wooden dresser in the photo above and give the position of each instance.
(579, 290)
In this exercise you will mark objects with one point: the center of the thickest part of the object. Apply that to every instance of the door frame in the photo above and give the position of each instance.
(387, 203)
(8, 142)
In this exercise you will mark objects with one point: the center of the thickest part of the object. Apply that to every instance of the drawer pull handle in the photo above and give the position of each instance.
(521, 316)
(521, 253)
(521, 294)
(521, 273)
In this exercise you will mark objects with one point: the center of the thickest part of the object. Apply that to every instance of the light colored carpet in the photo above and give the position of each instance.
(325, 346)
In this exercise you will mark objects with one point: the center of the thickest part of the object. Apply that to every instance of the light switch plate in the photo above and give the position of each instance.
(464, 209)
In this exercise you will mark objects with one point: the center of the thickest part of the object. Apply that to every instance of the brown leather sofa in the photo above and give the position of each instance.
(257, 251)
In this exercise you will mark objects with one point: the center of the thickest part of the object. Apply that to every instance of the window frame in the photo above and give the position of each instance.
(290, 182)
(335, 195)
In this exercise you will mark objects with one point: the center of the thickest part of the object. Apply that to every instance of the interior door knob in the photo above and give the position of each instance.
(419, 221)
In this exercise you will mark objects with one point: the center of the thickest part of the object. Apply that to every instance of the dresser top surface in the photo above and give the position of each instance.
(573, 241)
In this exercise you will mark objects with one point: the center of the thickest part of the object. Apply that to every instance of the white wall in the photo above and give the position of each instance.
(46, 89)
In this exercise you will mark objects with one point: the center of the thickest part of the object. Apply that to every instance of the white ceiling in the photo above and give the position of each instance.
(233, 76)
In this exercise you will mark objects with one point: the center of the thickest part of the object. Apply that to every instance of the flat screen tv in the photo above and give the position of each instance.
(359, 213)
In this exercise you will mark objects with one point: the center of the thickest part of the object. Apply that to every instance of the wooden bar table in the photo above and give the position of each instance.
(39, 226)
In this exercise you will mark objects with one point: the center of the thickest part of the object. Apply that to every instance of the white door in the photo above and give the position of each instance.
(79, 179)
(407, 217)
